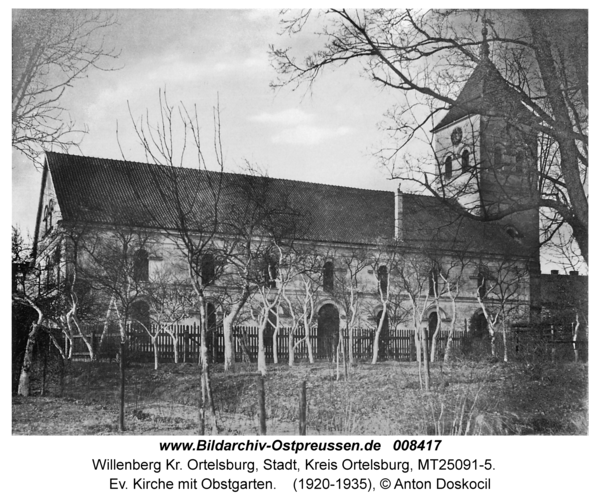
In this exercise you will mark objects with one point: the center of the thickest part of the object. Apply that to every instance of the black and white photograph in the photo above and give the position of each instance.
(300, 222)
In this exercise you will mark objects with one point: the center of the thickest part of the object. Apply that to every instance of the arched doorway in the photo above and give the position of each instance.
(478, 326)
(328, 331)
(382, 351)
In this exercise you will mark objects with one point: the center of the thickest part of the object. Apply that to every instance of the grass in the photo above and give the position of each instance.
(382, 399)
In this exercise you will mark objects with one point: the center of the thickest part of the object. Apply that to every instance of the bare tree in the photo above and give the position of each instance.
(187, 211)
(349, 290)
(27, 291)
(300, 301)
(500, 294)
(428, 56)
(258, 215)
(413, 275)
(383, 262)
(172, 301)
(277, 273)
(453, 277)
(51, 50)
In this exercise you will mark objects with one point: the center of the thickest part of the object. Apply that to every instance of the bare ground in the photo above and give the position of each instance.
(382, 399)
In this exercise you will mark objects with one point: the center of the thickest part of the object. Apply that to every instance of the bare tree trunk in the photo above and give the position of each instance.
(448, 350)
(61, 351)
(291, 346)
(337, 359)
(504, 340)
(350, 345)
(228, 353)
(155, 348)
(25, 377)
(275, 337)
(72, 318)
(206, 401)
(302, 411)
(262, 411)
(344, 361)
(378, 334)
(122, 356)
(311, 358)
(122, 386)
(228, 321)
(202, 408)
(436, 333)
(425, 362)
(492, 333)
(575, 334)
(174, 338)
(261, 360)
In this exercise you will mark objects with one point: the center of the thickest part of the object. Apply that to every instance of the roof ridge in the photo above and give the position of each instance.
(138, 163)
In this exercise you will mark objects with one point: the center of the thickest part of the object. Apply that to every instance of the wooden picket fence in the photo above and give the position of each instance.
(398, 345)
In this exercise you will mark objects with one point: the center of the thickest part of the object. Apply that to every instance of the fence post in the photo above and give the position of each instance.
(302, 418)
(261, 406)
(122, 386)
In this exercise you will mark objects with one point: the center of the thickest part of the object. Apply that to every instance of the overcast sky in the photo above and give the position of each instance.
(201, 56)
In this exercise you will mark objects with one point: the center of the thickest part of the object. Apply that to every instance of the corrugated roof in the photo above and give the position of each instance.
(117, 192)
(485, 92)
(429, 221)
(130, 193)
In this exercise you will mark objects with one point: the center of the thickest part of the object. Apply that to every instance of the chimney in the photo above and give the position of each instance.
(554, 272)
(573, 272)
(398, 233)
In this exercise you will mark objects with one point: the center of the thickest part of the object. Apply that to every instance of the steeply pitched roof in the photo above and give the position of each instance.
(485, 92)
(102, 191)
(431, 222)
(107, 191)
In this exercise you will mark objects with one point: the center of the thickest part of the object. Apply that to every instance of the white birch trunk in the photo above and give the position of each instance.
(25, 376)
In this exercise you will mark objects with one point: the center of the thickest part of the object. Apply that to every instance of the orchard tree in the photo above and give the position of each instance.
(301, 301)
(27, 292)
(428, 55)
(349, 290)
(185, 207)
(172, 301)
(257, 216)
(501, 297)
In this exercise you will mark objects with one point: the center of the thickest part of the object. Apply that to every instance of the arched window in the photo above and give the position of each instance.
(140, 313)
(140, 265)
(465, 161)
(50, 269)
(520, 160)
(207, 269)
(433, 282)
(498, 157)
(382, 275)
(328, 276)
(448, 167)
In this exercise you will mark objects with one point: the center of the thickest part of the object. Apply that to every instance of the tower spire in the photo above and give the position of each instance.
(484, 51)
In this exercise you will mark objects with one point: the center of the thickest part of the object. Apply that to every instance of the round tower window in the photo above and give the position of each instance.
(456, 135)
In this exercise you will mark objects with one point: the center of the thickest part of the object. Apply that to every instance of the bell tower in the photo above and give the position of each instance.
(486, 149)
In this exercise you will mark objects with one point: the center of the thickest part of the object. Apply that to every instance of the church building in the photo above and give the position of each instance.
(481, 215)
